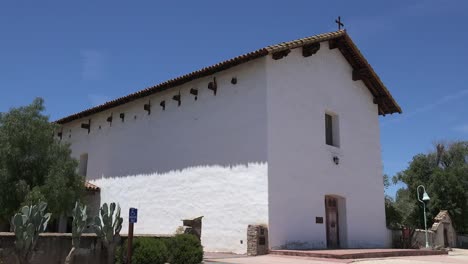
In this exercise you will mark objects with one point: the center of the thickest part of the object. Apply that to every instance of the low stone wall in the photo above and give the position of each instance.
(419, 238)
(52, 248)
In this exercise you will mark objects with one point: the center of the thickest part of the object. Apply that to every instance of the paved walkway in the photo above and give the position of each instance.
(457, 256)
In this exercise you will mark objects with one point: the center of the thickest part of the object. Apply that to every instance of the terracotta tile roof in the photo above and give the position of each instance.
(387, 105)
(91, 187)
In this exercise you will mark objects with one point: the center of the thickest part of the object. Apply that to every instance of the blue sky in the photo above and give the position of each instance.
(77, 54)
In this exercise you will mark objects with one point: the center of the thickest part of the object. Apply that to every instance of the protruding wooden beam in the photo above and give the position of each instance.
(87, 126)
(380, 100)
(359, 74)
(280, 54)
(109, 119)
(311, 49)
(333, 44)
(163, 105)
(194, 92)
(147, 107)
(336, 43)
(213, 86)
(177, 99)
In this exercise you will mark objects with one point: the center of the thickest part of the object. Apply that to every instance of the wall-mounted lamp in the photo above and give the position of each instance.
(336, 160)
(122, 117)
(163, 105)
(213, 86)
(60, 134)
(234, 80)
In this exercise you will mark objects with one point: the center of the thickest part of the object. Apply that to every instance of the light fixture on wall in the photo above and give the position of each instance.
(336, 160)
(234, 80)
(163, 105)
(213, 86)
(122, 117)
(147, 107)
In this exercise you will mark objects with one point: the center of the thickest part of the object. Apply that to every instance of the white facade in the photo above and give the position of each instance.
(255, 153)
(301, 170)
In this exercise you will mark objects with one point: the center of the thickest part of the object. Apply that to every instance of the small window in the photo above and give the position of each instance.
(331, 130)
(83, 167)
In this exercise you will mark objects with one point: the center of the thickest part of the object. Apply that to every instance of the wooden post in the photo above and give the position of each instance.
(130, 242)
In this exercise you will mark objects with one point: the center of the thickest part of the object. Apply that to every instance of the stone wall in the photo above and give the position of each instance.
(419, 238)
(257, 240)
(52, 248)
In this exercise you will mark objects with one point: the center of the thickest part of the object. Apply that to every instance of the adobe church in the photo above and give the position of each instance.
(286, 136)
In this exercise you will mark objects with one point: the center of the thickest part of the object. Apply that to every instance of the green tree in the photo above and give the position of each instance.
(392, 215)
(444, 173)
(33, 164)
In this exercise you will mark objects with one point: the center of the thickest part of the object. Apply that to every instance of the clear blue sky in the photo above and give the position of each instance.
(77, 54)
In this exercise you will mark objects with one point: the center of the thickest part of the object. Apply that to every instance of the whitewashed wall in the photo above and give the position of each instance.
(215, 156)
(301, 169)
(229, 198)
(206, 157)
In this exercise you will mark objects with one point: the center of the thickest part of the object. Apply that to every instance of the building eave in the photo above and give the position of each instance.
(382, 97)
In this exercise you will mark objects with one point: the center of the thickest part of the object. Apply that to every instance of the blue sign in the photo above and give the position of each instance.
(133, 215)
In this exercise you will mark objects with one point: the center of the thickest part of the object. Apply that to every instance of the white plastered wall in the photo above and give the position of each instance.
(300, 90)
(205, 157)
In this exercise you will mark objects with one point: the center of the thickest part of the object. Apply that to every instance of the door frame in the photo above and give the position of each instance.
(329, 208)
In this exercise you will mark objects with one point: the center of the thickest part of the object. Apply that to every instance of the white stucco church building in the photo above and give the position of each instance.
(286, 136)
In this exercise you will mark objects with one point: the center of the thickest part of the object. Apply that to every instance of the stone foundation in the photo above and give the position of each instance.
(257, 240)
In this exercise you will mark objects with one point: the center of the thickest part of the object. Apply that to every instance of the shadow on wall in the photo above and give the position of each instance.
(236, 167)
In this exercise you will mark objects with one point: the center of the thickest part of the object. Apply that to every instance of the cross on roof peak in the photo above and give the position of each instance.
(338, 21)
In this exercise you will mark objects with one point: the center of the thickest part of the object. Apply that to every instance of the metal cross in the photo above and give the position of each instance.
(338, 21)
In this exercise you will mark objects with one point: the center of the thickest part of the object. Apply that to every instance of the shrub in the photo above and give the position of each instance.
(185, 249)
(146, 250)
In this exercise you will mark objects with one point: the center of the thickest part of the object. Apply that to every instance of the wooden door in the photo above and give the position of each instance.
(331, 209)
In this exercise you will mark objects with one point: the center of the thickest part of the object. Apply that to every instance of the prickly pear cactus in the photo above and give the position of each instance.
(80, 222)
(27, 225)
(107, 227)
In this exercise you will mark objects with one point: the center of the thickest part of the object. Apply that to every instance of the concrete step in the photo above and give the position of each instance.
(358, 253)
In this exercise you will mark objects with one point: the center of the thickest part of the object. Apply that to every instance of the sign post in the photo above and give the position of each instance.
(132, 219)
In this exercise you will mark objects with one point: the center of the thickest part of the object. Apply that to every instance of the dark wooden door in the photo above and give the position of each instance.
(331, 206)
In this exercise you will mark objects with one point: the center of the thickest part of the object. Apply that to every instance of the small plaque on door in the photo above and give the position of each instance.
(319, 220)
